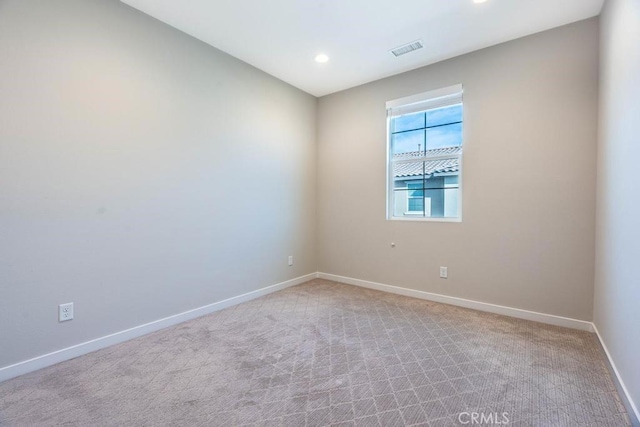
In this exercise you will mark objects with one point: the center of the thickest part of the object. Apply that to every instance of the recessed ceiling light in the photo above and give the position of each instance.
(479, 1)
(322, 58)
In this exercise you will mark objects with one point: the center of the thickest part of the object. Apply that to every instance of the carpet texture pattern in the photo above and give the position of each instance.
(324, 353)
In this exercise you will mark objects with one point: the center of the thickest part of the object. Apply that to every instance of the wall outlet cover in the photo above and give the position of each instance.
(65, 312)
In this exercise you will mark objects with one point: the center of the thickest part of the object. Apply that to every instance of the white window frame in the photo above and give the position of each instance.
(451, 95)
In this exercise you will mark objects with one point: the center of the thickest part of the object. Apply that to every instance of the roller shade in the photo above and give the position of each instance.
(425, 101)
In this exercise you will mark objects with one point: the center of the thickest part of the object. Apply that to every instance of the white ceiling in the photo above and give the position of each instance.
(282, 37)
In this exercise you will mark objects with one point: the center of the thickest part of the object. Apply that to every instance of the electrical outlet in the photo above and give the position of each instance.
(444, 272)
(65, 312)
(290, 260)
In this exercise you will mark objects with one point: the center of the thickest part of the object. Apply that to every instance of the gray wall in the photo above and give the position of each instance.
(617, 295)
(524, 242)
(142, 174)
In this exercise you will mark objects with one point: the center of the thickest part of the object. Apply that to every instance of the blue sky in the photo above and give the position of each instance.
(442, 136)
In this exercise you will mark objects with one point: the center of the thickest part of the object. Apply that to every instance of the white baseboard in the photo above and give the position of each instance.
(49, 359)
(629, 404)
(460, 302)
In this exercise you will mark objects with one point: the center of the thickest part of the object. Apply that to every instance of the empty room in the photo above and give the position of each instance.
(319, 213)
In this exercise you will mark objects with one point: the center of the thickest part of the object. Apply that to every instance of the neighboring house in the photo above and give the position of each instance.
(427, 188)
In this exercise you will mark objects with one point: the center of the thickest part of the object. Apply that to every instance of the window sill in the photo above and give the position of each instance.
(410, 217)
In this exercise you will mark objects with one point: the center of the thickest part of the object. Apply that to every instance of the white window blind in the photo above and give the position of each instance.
(425, 101)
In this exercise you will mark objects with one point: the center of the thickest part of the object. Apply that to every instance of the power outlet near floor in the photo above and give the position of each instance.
(290, 260)
(65, 312)
(444, 272)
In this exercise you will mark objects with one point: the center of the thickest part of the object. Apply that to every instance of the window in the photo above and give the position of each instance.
(425, 155)
(415, 197)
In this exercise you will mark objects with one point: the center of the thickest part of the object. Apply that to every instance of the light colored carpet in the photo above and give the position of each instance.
(324, 353)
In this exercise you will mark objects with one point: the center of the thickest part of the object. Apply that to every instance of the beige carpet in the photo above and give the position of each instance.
(324, 353)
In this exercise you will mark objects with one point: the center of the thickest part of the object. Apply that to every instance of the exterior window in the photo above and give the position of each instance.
(425, 156)
(415, 197)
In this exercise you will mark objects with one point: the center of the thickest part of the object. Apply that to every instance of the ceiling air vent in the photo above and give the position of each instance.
(406, 48)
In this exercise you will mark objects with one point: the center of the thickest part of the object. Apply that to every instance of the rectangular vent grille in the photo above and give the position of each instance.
(406, 48)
